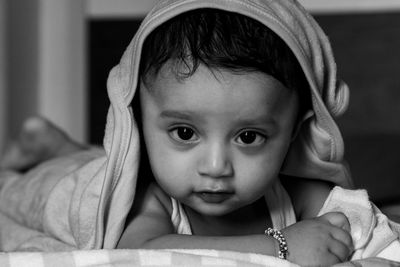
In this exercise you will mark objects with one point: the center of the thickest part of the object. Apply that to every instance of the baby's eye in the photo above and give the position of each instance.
(184, 134)
(250, 138)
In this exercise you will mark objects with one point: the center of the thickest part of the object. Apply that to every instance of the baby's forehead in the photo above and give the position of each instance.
(177, 72)
(213, 88)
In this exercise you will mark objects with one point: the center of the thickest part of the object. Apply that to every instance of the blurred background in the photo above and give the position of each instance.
(56, 54)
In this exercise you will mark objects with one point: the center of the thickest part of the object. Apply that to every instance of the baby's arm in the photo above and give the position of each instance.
(151, 228)
(312, 242)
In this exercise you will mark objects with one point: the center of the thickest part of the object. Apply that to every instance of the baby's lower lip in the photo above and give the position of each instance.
(214, 197)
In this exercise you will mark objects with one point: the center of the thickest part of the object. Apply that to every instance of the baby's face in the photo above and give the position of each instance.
(216, 141)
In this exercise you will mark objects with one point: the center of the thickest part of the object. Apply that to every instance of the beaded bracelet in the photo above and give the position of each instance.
(276, 234)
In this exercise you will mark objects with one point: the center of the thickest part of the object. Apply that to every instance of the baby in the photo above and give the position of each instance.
(222, 97)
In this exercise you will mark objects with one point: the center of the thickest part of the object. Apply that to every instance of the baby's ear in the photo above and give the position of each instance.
(300, 122)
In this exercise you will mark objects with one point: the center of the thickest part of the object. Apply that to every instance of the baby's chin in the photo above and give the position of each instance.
(214, 209)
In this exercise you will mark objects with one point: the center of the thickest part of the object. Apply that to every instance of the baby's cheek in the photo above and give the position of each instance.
(174, 176)
(255, 175)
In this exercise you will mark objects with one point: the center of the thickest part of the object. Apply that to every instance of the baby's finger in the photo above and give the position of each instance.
(340, 250)
(342, 236)
(337, 219)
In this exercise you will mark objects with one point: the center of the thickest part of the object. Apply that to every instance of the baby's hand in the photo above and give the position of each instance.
(322, 241)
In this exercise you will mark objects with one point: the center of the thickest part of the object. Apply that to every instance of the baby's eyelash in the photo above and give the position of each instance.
(183, 134)
(250, 138)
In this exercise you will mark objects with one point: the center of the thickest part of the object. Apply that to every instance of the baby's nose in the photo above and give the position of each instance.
(216, 162)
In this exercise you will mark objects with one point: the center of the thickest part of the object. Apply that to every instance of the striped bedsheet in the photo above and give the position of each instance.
(138, 257)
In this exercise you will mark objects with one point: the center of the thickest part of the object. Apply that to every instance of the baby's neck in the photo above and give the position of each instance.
(251, 219)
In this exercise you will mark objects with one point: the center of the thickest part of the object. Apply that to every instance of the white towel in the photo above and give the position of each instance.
(374, 235)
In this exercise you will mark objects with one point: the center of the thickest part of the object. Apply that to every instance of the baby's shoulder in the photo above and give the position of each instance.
(155, 194)
(307, 195)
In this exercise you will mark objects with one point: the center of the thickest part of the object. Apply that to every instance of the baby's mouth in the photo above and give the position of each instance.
(214, 197)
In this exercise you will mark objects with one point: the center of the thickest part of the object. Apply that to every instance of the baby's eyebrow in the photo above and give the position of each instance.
(185, 115)
(259, 120)
(245, 120)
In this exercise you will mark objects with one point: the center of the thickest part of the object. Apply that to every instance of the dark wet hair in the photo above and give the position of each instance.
(221, 40)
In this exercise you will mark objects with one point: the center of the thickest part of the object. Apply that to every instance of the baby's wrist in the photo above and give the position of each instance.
(281, 250)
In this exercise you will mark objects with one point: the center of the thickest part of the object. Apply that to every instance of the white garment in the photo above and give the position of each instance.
(278, 201)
